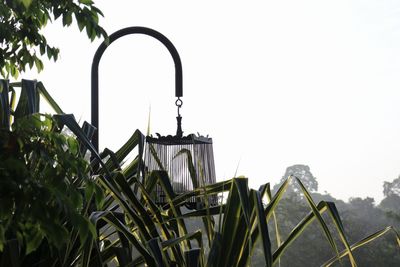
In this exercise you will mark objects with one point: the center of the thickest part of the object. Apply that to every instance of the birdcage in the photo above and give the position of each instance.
(188, 160)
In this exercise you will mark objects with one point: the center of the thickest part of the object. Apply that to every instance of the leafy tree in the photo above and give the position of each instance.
(391, 202)
(392, 188)
(44, 193)
(21, 41)
(302, 172)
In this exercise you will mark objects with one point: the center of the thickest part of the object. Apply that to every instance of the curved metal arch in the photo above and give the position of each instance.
(95, 69)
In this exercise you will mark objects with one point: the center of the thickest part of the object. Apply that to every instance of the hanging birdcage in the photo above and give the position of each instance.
(177, 155)
(173, 154)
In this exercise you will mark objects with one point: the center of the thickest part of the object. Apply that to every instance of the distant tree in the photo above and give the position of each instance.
(302, 172)
(21, 41)
(391, 202)
(392, 188)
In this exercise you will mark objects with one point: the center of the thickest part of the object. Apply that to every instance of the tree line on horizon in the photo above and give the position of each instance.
(360, 216)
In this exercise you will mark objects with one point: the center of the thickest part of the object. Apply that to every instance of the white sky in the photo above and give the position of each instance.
(274, 83)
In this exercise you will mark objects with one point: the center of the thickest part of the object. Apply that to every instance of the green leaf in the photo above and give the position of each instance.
(192, 257)
(67, 18)
(14, 71)
(76, 199)
(134, 202)
(86, 2)
(42, 90)
(215, 251)
(5, 111)
(191, 167)
(29, 99)
(99, 196)
(205, 212)
(243, 189)
(26, 3)
(263, 227)
(163, 179)
(55, 53)
(42, 48)
(233, 217)
(73, 146)
(69, 121)
(31, 62)
(121, 227)
(38, 64)
(49, 52)
(34, 237)
(155, 249)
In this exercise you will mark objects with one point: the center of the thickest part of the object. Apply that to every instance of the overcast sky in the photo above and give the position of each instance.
(274, 83)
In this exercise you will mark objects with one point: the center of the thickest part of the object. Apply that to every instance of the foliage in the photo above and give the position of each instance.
(303, 172)
(21, 22)
(161, 234)
(311, 249)
(45, 188)
(392, 188)
(249, 225)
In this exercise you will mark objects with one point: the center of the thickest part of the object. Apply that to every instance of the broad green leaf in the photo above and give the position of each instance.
(42, 90)
(38, 64)
(26, 3)
(86, 2)
(134, 202)
(67, 19)
(192, 170)
(137, 139)
(34, 237)
(165, 183)
(263, 227)
(49, 51)
(193, 257)
(243, 189)
(5, 114)
(339, 226)
(203, 212)
(215, 251)
(233, 218)
(211, 189)
(208, 221)
(276, 198)
(69, 121)
(89, 131)
(110, 185)
(197, 235)
(42, 48)
(29, 99)
(155, 212)
(121, 227)
(155, 249)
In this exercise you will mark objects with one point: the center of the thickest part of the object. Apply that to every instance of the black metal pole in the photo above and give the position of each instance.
(95, 69)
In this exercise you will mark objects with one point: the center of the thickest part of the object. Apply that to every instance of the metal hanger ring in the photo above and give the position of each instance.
(179, 102)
